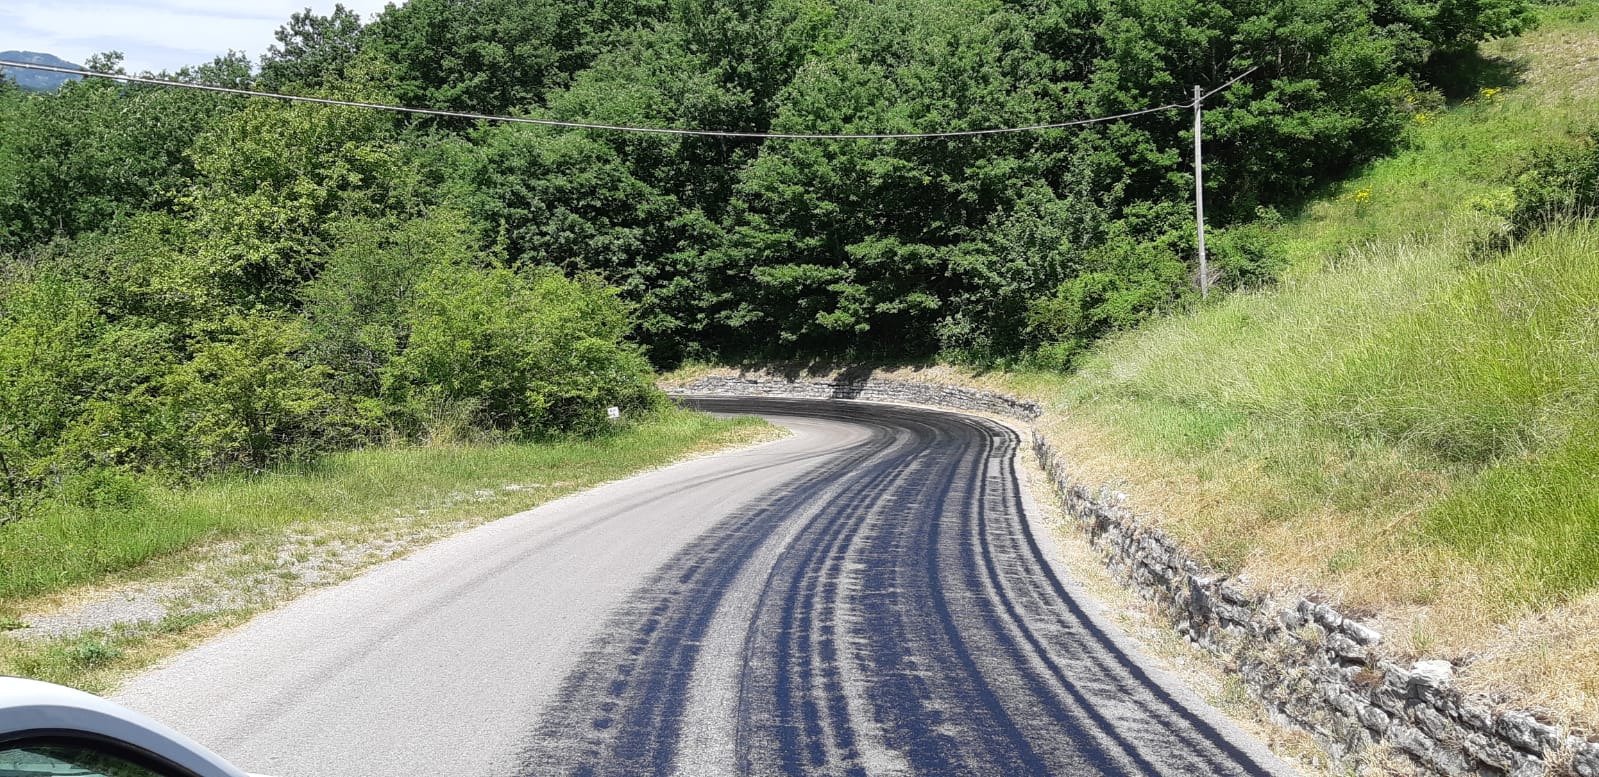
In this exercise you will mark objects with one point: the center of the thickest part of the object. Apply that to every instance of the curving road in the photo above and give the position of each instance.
(867, 597)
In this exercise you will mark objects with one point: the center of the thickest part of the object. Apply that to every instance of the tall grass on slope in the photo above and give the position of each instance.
(1258, 353)
(1512, 358)
(1533, 521)
(1502, 363)
(1534, 91)
(1487, 374)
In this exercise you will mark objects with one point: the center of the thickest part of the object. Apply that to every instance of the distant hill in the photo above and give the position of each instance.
(37, 80)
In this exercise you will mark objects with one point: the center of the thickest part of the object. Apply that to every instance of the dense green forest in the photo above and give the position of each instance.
(196, 282)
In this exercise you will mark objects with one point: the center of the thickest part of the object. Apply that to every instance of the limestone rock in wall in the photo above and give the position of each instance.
(875, 389)
(1585, 759)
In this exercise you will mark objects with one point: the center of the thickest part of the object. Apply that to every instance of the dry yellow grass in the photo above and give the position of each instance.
(1548, 660)
(1560, 57)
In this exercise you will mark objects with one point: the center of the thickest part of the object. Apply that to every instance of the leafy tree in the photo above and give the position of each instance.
(78, 160)
(482, 56)
(232, 70)
(641, 210)
(1024, 253)
(533, 353)
(106, 62)
(850, 243)
(246, 397)
(1450, 26)
(273, 179)
(312, 51)
(60, 173)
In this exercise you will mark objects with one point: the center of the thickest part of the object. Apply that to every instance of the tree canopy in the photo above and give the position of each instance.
(190, 282)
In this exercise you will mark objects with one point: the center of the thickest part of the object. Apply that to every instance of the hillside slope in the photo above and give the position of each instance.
(1408, 421)
(36, 80)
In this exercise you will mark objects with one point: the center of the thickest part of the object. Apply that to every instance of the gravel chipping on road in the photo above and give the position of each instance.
(239, 577)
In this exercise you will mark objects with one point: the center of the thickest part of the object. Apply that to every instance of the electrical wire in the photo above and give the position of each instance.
(614, 127)
(1226, 86)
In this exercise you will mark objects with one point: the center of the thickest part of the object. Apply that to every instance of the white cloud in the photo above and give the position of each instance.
(154, 34)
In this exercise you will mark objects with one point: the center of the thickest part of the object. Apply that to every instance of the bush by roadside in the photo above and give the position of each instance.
(120, 356)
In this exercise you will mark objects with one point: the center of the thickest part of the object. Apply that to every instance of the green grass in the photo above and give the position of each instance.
(1459, 161)
(1405, 344)
(98, 660)
(1404, 359)
(1537, 519)
(1405, 379)
(64, 547)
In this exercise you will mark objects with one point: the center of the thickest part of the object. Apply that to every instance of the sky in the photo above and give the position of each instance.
(154, 34)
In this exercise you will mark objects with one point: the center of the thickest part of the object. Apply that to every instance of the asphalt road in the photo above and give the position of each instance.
(867, 597)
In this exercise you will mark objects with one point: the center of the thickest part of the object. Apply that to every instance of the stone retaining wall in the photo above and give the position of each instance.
(1311, 666)
(873, 389)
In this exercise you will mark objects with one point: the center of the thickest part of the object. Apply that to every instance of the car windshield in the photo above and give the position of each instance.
(53, 760)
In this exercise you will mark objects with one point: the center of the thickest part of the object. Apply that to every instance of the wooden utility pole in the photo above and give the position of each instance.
(1199, 190)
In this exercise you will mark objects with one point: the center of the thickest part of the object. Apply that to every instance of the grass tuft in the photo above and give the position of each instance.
(90, 653)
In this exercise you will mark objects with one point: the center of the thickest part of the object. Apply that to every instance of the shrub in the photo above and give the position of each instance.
(1561, 184)
(48, 332)
(245, 398)
(103, 487)
(535, 352)
(356, 309)
(1246, 256)
(1123, 282)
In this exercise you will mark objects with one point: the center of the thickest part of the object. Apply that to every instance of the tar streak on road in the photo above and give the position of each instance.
(906, 622)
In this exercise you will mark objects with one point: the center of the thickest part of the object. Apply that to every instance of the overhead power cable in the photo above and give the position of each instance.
(1223, 87)
(611, 127)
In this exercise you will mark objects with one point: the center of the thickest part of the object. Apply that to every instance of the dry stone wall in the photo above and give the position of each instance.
(871, 389)
(1312, 666)
(1315, 668)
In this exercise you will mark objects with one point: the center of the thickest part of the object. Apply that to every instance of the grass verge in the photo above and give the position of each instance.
(207, 557)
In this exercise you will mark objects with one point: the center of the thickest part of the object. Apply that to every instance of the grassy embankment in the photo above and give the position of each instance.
(233, 546)
(1409, 422)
